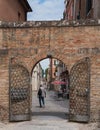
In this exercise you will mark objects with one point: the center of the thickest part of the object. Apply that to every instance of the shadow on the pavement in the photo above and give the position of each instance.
(51, 114)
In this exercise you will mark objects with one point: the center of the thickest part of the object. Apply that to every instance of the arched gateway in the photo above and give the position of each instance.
(22, 45)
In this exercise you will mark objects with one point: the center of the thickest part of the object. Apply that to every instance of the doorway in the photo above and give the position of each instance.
(57, 99)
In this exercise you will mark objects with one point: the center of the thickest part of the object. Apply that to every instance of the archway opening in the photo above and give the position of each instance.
(53, 75)
(55, 80)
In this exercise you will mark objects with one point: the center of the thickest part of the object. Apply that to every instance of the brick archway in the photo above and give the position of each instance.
(67, 41)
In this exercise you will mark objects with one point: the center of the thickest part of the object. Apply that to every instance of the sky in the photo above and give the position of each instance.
(45, 64)
(45, 10)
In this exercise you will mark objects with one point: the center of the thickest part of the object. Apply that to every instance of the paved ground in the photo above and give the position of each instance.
(53, 117)
(55, 108)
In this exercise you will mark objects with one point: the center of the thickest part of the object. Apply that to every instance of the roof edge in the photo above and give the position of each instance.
(26, 5)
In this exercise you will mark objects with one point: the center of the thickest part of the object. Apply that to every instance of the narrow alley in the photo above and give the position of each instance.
(55, 108)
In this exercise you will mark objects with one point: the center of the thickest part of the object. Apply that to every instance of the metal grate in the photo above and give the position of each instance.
(79, 91)
(19, 93)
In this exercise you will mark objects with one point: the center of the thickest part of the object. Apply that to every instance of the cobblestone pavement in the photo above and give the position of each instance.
(53, 117)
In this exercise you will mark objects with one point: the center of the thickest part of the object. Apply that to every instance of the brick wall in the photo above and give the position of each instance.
(30, 42)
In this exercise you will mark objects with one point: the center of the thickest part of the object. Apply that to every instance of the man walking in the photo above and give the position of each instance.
(41, 96)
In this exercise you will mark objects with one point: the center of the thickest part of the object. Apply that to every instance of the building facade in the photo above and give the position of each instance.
(14, 10)
(37, 77)
(81, 9)
(57, 71)
(69, 9)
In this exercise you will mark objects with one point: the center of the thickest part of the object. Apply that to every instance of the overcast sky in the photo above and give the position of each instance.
(46, 10)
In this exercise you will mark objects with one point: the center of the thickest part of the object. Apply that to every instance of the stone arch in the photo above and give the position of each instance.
(55, 53)
(68, 61)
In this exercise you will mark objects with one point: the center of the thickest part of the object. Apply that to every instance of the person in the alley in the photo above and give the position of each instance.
(41, 95)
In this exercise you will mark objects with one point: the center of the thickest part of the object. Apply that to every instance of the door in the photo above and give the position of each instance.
(19, 93)
(79, 91)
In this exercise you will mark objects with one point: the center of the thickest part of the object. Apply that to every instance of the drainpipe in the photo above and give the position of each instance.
(74, 9)
(50, 73)
(50, 57)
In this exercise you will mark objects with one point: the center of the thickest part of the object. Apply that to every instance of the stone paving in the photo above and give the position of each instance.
(55, 107)
(53, 117)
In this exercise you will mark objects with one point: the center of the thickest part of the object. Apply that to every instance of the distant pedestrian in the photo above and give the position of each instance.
(41, 95)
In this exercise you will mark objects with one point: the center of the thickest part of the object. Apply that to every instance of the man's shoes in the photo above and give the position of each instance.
(40, 106)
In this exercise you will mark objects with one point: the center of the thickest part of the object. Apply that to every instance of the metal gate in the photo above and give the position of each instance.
(79, 91)
(19, 93)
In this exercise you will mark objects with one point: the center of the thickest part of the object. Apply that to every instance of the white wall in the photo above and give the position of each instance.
(36, 77)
